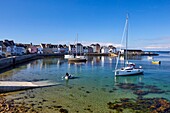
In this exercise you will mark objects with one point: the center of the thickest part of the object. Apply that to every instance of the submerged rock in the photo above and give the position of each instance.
(10, 106)
(140, 92)
(152, 105)
(63, 110)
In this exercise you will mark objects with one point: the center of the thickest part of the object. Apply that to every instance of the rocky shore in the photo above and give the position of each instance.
(10, 106)
(17, 106)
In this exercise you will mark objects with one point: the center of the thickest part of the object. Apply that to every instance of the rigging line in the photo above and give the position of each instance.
(121, 44)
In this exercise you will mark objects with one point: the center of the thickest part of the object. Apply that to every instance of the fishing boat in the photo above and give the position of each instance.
(156, 62)
(129, 68)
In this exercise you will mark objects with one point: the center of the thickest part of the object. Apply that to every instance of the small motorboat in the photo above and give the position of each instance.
(156, 62)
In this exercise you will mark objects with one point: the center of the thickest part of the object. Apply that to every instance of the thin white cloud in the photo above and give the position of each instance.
(159, 46)
(101, 43)
(160, 43)
(86, 43)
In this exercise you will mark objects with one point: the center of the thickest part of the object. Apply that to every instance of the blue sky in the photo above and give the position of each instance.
(102, 21)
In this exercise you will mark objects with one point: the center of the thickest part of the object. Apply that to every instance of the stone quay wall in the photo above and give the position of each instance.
(14, 60)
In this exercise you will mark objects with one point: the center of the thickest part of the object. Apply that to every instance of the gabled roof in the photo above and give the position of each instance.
(95, 44)
(6, 44)
(9, 42)
(20, 45)
(111, 47)
(78, 44)
(72, 46)
(42, 45)
(27, 45)
(60, 46)
(92, 45)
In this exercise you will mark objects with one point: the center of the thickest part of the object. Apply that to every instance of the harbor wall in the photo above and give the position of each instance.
(14, 60)
(6, 62)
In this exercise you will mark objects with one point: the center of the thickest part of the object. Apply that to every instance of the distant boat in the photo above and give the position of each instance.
(130, 68)
(68, 56)
(156, 62)
(77, 60)
(150, 57)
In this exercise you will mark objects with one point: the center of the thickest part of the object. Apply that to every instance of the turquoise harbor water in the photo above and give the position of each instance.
(94, 85)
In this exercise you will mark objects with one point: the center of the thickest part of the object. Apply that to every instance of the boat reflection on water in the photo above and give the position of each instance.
(128, 79)
(76, 63)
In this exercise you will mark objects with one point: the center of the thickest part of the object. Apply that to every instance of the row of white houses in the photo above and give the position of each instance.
(8, 48)
(77, 48)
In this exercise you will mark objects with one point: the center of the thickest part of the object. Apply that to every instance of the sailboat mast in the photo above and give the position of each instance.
(122, 40)
(77, 45)
(126, 39)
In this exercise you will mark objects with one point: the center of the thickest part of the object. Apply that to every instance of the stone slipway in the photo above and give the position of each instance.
(9, 86)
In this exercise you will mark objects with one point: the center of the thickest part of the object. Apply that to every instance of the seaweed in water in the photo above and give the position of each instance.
(155, 105)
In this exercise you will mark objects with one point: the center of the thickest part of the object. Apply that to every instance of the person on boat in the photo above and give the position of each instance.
(131, 65)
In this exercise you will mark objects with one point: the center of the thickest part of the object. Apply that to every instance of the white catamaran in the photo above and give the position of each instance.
(129, 68)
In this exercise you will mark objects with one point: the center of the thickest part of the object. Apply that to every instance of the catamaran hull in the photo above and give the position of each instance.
(128, 72)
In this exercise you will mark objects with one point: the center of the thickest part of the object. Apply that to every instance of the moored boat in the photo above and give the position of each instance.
(68, 56)
(150, 57)
(77, 59)
(156, 62)
(129, 68)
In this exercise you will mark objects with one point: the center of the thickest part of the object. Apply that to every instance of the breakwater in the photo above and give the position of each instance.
(14, 60)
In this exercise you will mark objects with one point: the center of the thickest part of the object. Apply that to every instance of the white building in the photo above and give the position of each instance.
(85, 49)
(20, 50)
(79, 48)
(104, 49)
(40, 50)
(72, 49)
(112, 49)
(96, 48)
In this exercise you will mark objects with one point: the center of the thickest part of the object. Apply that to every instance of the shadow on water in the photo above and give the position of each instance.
(128, 79)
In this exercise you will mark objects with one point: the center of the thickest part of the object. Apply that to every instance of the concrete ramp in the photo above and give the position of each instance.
(9, 86)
